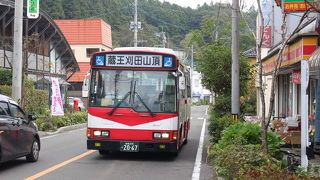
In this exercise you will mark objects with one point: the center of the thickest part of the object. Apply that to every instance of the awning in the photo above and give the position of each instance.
(196, 95)
(314, 60)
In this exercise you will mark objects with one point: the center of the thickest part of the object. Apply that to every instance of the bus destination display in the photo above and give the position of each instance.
(133, 60)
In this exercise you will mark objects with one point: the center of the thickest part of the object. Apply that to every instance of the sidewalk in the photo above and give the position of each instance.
(63, 129)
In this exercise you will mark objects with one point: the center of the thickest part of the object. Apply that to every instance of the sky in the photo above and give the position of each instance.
(194, 3)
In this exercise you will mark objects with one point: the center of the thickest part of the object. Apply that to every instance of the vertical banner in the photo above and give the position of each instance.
(57, 105)
(266, 25)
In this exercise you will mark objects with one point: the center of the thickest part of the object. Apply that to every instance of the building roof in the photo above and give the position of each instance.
(80, 75)
(86, 31)
(47, 30)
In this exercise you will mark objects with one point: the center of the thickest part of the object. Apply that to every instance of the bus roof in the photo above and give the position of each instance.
(155, 49)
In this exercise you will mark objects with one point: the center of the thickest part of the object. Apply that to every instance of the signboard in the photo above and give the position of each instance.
(33, 9)
(297, 5)
(57, 105)
(296, 76)
(133, 60)
(267, 36)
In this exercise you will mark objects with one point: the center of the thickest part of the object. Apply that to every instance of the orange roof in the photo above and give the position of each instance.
(86, 31)
(79, 76)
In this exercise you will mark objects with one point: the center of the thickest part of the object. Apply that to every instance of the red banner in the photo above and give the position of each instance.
(296, 76)
(267, 36)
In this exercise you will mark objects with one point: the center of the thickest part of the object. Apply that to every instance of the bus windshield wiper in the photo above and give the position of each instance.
(119, 103)
(144, 104)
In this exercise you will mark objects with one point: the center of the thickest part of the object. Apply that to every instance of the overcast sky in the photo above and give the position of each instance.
(194, 3)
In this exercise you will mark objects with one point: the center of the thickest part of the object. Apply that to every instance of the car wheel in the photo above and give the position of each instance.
(34, 154)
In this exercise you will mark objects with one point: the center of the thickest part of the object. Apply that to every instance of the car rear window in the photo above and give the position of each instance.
(4, 108)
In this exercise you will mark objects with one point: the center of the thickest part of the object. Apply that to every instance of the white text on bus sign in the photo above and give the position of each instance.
(130, 60)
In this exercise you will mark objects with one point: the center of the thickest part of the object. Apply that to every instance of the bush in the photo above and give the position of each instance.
(222, 105)
(5, 76)
(217, 125)
(55, 122)
(234, 160)
(250, 134)
(5, 90)
(35, 101)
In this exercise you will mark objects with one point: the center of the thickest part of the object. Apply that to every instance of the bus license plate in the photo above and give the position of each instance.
(129, 146)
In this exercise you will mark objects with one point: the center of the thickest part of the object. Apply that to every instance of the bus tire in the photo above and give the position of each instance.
(186, 140)
(174, 154)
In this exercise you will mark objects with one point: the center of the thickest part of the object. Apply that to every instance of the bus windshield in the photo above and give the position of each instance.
(143, 91)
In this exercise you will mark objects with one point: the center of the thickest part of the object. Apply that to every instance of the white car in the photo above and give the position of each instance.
(80, 103)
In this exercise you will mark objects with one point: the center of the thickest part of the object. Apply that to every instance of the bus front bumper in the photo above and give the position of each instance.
(143, 146)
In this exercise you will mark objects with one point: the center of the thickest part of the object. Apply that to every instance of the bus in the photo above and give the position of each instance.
(139, 101)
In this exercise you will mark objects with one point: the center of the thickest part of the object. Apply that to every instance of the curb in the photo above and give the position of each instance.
(62, 129)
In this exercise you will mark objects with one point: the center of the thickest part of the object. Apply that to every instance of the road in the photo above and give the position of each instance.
(64, 156)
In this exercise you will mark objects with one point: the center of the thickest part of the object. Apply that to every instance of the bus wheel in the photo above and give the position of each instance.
(173, 154)
(104, 152)
(186, 140)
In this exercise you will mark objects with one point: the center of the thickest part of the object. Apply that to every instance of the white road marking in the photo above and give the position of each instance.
(197, 164)
(200, 118)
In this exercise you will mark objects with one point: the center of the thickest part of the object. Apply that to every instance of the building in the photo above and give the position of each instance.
(46, 52)
(301, 46)
(85, 37)
(199, 93)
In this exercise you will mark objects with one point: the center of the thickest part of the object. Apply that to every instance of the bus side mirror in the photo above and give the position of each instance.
(85, 86)
(182, 83)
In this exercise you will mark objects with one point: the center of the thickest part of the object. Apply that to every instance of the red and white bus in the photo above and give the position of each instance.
(139, 101)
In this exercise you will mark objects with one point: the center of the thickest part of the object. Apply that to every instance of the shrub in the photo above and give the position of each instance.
(222, 105)
(36, 101)
(234, 160)
(55, 122)
(250, 134)
(217, 125)
(5, 90)
(5, 76)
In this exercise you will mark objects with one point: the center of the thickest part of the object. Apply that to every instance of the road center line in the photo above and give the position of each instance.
(197, 164)
(42, 173)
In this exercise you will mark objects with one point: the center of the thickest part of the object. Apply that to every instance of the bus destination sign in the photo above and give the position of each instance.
(133, 60)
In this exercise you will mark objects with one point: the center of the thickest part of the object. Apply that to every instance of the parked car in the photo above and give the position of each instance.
(80, 103)
(18, 133)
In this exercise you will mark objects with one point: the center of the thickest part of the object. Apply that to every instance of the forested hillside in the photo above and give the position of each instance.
(155, 16)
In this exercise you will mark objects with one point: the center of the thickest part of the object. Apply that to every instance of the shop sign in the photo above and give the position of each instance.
(296, 76)
(297, 5)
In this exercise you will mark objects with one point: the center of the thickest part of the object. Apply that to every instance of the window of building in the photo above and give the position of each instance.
(90, 51)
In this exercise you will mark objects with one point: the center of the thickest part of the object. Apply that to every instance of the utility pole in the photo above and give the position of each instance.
(135, 31)
(235, 86)
(17, 51)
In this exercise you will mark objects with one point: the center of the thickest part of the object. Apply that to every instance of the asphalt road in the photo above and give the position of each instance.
(64, 156)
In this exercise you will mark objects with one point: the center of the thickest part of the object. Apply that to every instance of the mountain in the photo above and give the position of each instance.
(155, 16)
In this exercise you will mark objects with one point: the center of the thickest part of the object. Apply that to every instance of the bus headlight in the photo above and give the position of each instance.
(165, 135)
(157, 135)
(101, 133)
(161, 135)
(105, 133)
(97, 133)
